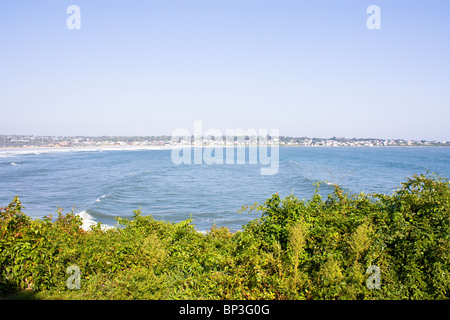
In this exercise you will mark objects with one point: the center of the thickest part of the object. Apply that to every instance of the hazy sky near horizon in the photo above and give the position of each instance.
(307, 68)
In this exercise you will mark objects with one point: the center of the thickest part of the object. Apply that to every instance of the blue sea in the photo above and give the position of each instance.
(103, 184)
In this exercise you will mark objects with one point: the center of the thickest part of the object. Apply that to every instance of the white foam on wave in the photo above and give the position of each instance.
(13, 164)
(100, 199)
(40, 150)
(89, 221)
(16, 153)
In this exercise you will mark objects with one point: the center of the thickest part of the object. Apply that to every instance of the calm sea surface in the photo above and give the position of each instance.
(103, 185)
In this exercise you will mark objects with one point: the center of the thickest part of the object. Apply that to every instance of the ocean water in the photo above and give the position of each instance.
(103, 184)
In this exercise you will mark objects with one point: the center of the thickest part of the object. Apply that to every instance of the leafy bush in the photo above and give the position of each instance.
(297, 249)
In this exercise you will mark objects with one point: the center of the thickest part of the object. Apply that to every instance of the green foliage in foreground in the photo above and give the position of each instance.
(314, 249)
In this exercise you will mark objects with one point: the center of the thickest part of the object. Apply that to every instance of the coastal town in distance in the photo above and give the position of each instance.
(31, 141)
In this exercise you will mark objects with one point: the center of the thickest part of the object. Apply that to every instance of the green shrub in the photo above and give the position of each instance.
(296, 249)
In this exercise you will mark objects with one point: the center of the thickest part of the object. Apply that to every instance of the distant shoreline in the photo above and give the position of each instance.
(167, 142)
(137, 147)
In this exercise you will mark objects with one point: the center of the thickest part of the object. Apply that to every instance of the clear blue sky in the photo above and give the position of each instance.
(307, 68)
